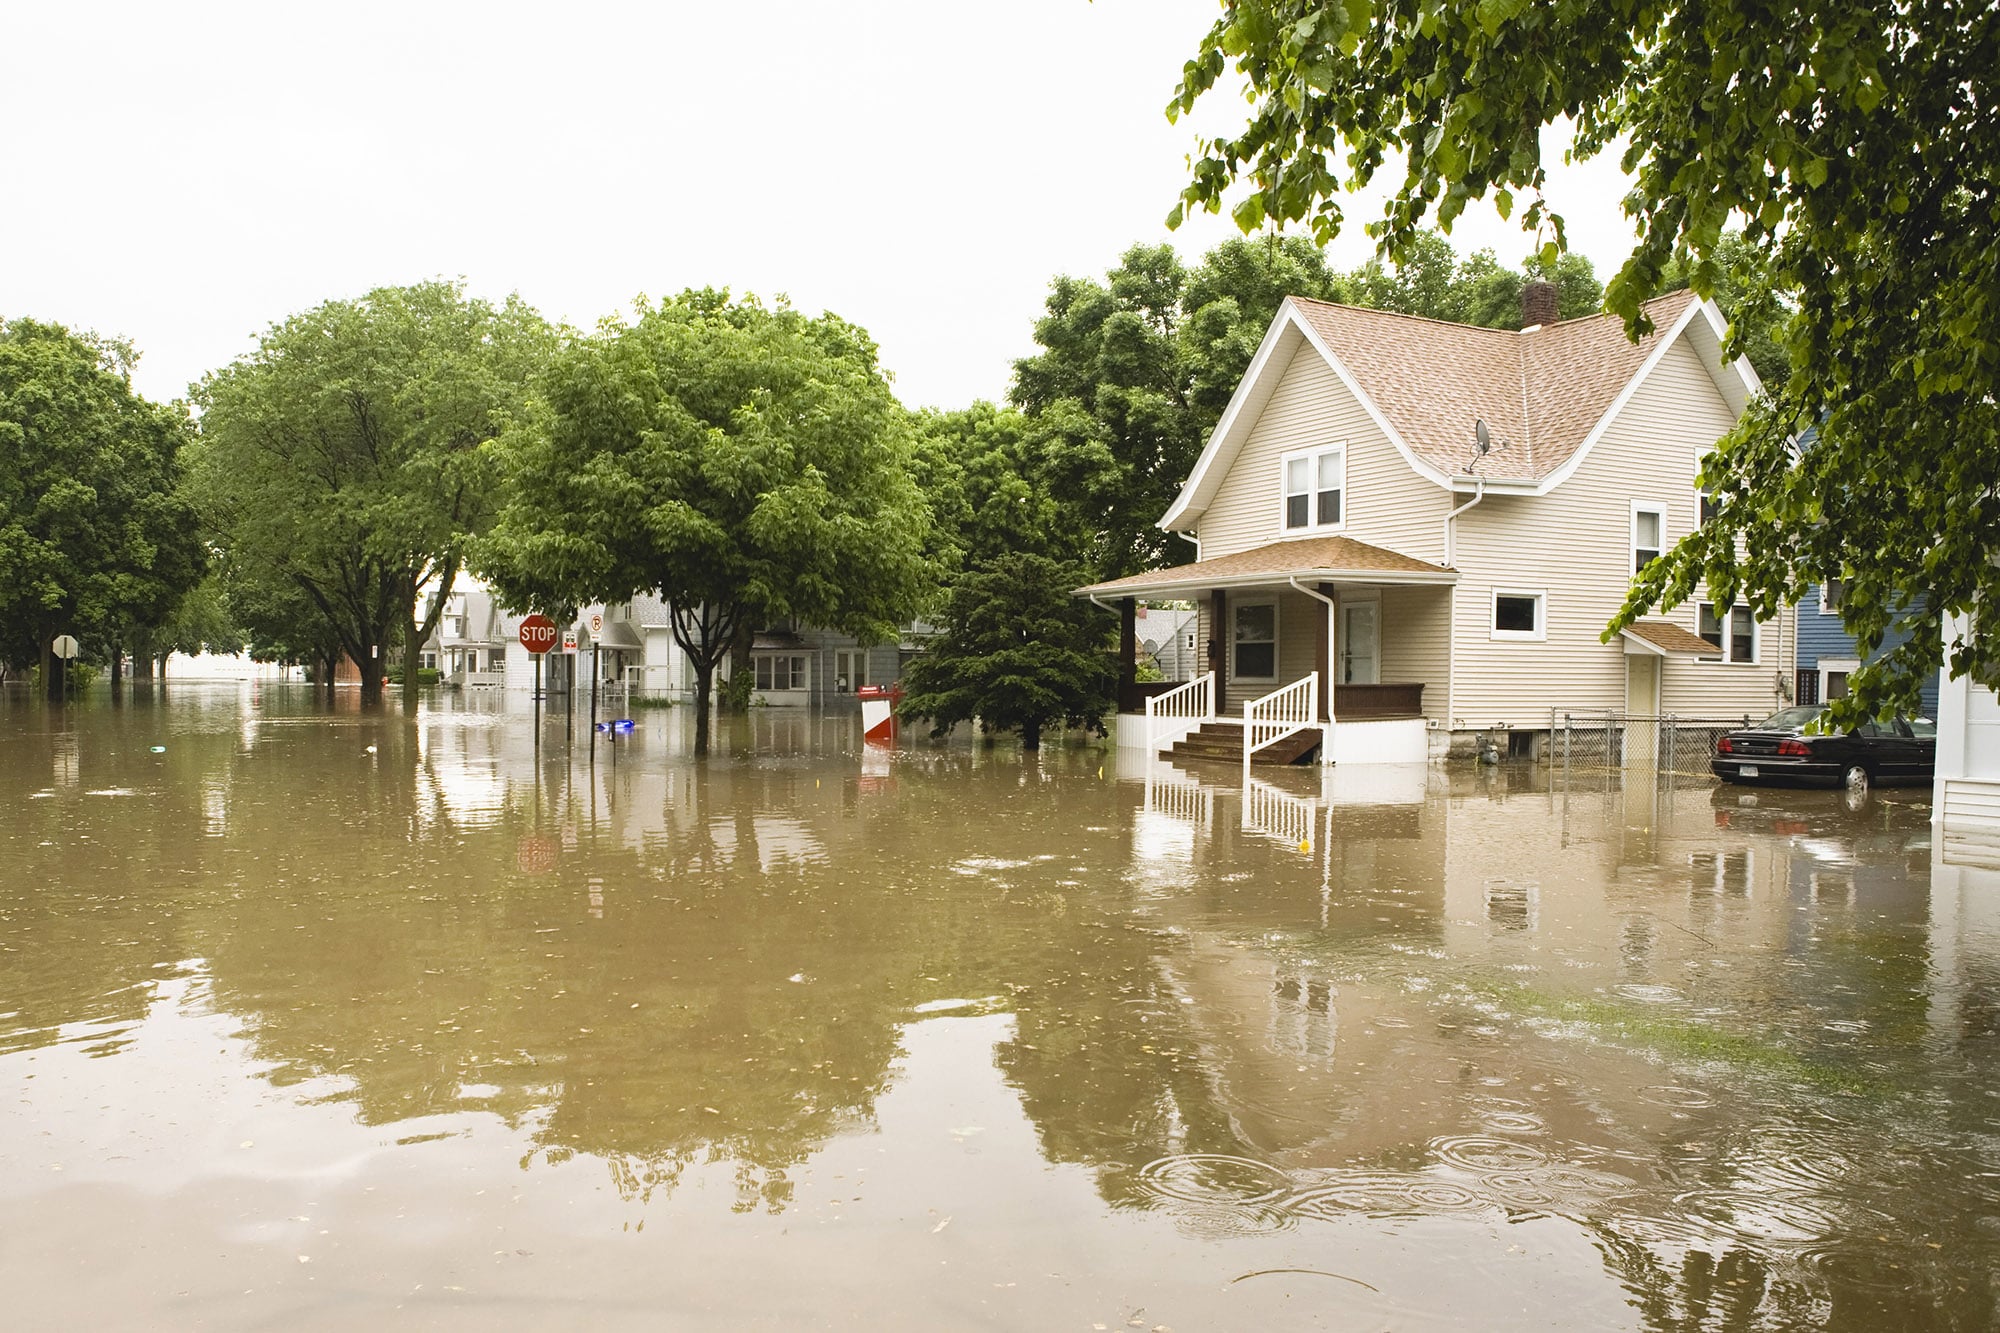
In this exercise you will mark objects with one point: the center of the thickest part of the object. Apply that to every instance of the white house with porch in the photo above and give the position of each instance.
(1410, 535)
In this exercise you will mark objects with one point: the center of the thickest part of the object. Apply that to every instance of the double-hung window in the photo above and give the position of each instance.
(1315, 488)
(1732, 630)
(1649, 533)
(1255, 641)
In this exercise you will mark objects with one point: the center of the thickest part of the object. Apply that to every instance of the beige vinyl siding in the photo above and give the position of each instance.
(1416, 642)
(1386, 503)
(1574, 545)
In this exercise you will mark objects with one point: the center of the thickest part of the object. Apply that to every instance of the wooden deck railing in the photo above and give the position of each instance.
(1281, 713)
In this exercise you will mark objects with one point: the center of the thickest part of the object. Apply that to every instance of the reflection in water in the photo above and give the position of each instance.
(477, 1002)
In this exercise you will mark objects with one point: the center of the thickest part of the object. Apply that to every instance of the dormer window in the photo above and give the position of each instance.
(1315, 480)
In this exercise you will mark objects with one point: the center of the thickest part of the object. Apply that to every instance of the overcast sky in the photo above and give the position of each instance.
(186, 174)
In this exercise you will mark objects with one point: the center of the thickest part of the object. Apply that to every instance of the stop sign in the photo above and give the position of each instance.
(538, 633)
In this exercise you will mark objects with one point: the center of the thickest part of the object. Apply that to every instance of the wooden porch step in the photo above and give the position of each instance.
(1222, 742)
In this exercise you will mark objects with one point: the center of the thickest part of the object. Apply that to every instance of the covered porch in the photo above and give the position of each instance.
(1318, 647)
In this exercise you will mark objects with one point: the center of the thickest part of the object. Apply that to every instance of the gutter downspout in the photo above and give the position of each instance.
(1450, 531)
(1332, 649)
(1451, 631)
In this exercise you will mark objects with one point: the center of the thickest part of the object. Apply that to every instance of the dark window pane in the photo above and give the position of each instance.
(1709, 507)
(1329, 506)
(1742, 636)
(1257, 659)
(1808, 687)
(1710, 625)
(1295, 510)
(1514, 615)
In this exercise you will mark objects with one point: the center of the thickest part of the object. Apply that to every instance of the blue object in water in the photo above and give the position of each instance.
(621, 724)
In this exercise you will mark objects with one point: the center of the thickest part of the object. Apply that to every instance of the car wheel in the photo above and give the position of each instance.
(1855, 779)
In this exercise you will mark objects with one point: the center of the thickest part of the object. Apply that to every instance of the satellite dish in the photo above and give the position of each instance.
(1483, 435)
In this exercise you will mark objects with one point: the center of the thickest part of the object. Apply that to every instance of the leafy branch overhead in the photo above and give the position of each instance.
(1855, 147)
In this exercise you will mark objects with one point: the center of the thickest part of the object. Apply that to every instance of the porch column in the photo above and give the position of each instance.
(1218, 646)
(1327, 631)
(1128, 655)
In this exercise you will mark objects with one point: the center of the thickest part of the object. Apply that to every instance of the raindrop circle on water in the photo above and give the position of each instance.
(1482, 1153)
(1215, 1178)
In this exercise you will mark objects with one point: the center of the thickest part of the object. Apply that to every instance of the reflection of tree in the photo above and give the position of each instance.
(1703, 1295)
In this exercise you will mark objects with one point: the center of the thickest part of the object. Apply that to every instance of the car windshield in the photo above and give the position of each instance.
(1789, 719)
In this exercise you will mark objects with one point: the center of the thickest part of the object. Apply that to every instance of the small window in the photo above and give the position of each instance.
(1519, 615)
(1831, 594)
(1731, 630)
(1256, 641)
(850, 670)
(1314, 485)
(1710, 507)
(1649, 531)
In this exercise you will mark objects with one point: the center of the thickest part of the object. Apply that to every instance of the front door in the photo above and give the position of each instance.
(1360, 643)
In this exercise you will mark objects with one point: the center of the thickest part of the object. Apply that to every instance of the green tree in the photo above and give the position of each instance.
(1852, 145)
(1135, 371)
(96, 534)
(346, 456)
(745, 462)
(1017, 650)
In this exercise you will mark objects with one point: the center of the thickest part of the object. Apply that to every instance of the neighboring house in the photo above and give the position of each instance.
(791, 666)
(1827, 654)
(1351, 528)
(469, 648)
(1170, 638)
(1966, 794)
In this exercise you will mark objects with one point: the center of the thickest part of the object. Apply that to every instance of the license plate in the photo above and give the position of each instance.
(1747, 771)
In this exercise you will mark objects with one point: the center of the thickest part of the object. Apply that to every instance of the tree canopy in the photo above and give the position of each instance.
(97, 537)
(1017, 651)
(744, 461)
(1855, 147)
(346, 459)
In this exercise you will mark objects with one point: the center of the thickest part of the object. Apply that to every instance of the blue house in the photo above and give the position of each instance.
(1827, 654)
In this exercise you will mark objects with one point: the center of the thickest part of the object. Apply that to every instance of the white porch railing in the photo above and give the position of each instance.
(1283, 712)
(1180, 710)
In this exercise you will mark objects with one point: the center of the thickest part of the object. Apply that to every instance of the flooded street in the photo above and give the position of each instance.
(319, 1019)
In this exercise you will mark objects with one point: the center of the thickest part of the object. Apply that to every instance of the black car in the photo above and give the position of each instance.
(1780, 750)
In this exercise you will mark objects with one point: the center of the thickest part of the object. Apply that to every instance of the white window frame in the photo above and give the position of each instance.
(1825, 591)
(1539, 634)
(1234, 608)
(850, 669)
(1657, 508)
(1311, 527)
(1756, 634)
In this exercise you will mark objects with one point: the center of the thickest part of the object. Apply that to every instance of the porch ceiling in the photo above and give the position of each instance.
(1309, 560)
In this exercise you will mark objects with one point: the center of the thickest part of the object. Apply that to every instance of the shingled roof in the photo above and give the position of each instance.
(1541, 390)
(1310, 559)
(1545, 392)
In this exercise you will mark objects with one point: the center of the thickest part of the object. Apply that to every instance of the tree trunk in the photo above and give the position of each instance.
(1031, 735)
(372, 676)
(117, 668)
(704, 690)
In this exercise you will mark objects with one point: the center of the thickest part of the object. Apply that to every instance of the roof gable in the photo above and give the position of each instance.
(1546, 393)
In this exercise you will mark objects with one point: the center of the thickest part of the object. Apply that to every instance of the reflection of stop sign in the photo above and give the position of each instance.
(536, 855)
(538, 633)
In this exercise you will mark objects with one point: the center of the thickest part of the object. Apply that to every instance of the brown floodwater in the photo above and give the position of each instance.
(317, 1018)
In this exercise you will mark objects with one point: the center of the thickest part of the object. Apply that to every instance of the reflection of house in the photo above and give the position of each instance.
(1966, 799)
(1827, 654)
(1437, 521)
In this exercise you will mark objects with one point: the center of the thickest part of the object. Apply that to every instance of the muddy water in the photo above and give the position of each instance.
(322, 1019)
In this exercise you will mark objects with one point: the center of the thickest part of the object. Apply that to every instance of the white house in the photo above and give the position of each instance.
(1966, 799)
(1412, 533)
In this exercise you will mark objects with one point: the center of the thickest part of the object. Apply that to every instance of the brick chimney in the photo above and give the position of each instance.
(1538, 304)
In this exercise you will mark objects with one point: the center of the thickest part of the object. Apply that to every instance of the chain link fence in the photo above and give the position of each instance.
(1666, 744)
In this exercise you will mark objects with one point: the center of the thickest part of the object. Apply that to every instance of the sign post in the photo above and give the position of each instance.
(64, 648)
(538, 635)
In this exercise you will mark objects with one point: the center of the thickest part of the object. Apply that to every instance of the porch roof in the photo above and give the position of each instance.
(1309, 559)
(1665, 639)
